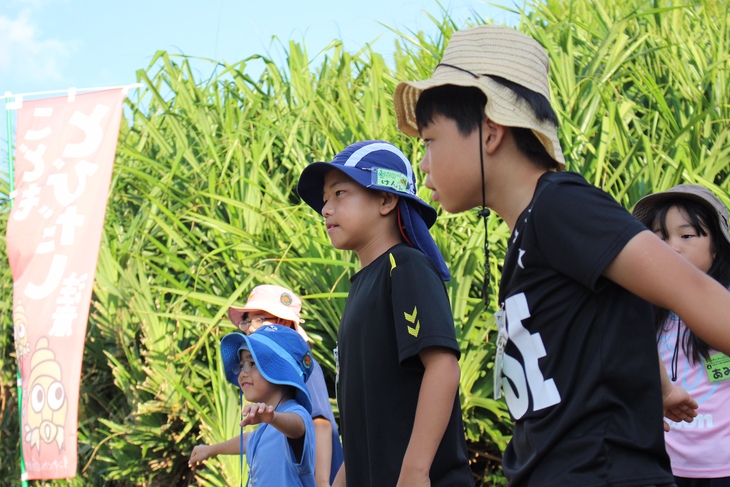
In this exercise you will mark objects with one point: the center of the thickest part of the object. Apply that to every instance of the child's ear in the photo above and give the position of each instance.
(389, 202)
(493, 135)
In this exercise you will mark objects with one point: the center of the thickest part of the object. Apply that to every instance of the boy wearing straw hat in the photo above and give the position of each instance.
(270, 366)
(576, 356)
(398, 369)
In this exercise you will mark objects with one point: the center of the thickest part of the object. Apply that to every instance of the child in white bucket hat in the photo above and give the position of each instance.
(270, 366)
(576, 353)
(271, 304)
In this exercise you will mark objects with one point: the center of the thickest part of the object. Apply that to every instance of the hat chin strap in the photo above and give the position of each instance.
(484, 213)
(402, 232)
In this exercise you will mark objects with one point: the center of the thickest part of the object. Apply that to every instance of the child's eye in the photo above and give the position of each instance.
(339, 192)
(245, 366)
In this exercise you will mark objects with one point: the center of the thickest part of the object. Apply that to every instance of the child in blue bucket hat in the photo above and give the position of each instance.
(397, 354)
(271, 367)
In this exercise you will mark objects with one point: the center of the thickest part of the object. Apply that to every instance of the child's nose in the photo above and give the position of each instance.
(674, 243)
(425, 164)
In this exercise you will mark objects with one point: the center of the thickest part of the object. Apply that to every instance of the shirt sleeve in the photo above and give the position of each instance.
(421, 309)
(581, 228)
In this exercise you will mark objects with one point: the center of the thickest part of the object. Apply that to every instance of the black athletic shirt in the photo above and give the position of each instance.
(582, 373)
(397, 307)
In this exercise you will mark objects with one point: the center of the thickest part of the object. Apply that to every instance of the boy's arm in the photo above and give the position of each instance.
(230, 447)
(649, 268)
(433, 411)
(290, 424)
(323, 451)
(340, 477)
(678, 404)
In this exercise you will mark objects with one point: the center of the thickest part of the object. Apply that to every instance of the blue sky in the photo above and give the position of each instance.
(56, 44)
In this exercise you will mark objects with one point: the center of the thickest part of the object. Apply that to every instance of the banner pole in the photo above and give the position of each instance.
(11, 186)
(11, 175)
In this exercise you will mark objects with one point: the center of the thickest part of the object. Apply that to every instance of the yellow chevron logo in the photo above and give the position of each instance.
(392, 264)
(412, 318)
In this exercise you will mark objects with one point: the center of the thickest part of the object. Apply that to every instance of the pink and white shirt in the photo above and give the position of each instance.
(700, 449)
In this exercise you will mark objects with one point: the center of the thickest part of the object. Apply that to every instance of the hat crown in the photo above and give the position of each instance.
(287, 341)
(389, 168)
(500, 51)
(705, 194)
(276, 296)
(473, 59)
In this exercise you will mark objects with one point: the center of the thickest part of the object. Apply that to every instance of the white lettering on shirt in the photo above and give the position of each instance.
(527, 376)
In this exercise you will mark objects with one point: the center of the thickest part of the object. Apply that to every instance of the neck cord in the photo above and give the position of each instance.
(675, 354)
(240, 441)
(484, 213)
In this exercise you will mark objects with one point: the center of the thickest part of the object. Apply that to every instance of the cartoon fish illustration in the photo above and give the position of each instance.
(46, 403)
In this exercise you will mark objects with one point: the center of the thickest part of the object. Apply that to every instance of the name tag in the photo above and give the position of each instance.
(718, 367)
(502, 338)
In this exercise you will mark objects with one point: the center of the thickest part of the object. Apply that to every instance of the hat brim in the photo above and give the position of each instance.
(503, 107)
(272, 367)
(645, 205)
(311, 188)
(235, 313)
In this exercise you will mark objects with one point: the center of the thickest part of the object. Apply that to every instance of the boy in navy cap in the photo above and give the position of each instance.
(398, 370)
(270, 366)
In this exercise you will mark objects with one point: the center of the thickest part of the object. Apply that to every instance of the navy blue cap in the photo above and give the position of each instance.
(380, 166)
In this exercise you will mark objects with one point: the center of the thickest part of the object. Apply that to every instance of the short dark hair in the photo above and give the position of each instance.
(465, 106)
(705, 222)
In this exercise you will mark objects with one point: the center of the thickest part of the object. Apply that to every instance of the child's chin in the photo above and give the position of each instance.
(247, 393)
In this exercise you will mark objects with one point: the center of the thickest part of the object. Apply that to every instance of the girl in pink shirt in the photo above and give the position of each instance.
(694, 222)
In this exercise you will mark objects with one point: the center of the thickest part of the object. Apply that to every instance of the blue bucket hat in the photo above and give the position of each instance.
(380, 166)
(281, 356)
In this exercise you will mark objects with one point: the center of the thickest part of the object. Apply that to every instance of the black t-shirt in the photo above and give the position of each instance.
(397, 307)
(582, 373)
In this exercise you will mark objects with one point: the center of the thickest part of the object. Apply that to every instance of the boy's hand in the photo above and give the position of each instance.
(678, 406)
(256, 413)
(199, 455)
(409, 480)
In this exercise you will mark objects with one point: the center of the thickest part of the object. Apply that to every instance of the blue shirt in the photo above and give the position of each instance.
(270, 458)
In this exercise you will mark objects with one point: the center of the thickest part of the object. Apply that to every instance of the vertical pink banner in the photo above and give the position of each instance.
(65, 150)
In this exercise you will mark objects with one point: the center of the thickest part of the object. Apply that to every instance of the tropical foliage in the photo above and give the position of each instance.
(203, 208)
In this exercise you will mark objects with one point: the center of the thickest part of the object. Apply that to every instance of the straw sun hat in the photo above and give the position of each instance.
(471, 55)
